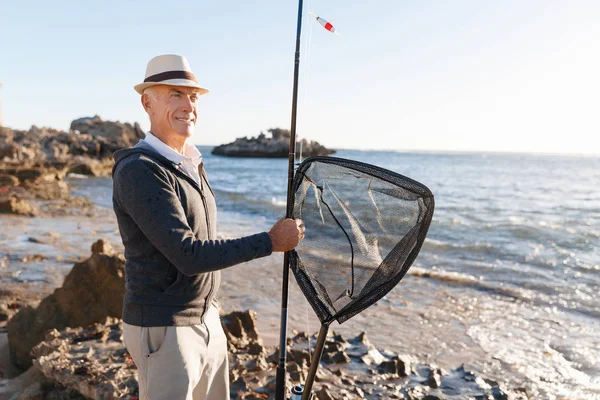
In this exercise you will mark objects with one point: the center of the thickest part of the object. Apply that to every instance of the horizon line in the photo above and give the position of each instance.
(421, 151)
(458, 152)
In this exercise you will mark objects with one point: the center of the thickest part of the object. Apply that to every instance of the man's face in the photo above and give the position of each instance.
(173, 109)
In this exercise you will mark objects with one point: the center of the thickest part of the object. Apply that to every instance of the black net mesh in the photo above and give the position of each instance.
(364, 228)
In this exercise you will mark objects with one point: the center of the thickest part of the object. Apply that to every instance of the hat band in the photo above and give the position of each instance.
(164, 76)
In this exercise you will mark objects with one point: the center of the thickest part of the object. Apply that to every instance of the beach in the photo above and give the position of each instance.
(506, 283)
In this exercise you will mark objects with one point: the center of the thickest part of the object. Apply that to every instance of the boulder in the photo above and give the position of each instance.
(434, 378)
(276, 146)
(324, 394)
(109, 135)
(52, 190)
(397, 366)
(102, 246)
(90, 167)
(240, 330)
(8, 180)
(90, 137)
(13, 205)
(92, 291)
(31, 174)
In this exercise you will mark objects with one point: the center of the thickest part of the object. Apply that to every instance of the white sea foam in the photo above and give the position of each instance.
(278, 202)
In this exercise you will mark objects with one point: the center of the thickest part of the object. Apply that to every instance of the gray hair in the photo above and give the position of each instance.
(151, 92)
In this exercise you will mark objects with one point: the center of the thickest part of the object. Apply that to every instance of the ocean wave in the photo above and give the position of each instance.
(477, 247)
(278, 203)
(444, 276)
(241, 202)
(466, 280)
(72, 175)
(538, 294)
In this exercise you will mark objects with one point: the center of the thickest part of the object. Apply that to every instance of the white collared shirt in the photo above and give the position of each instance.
(188, 161)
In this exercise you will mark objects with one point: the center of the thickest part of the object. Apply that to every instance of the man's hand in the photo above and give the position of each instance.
(286, 234)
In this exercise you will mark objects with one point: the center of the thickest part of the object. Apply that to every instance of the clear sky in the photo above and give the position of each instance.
(511, 75)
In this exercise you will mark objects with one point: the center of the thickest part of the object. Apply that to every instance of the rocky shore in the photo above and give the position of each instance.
(274, 146)
(35, 163)
(72, 344)
(62, 339)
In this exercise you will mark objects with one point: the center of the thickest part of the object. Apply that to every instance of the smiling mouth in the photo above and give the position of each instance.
(185, 120)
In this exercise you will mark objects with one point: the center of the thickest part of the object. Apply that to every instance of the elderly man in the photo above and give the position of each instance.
(166, 212)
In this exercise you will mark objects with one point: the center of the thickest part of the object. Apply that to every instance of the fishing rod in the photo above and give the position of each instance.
(280, 387)
(382, 267)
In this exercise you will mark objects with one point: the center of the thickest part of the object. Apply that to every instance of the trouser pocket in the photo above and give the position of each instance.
(153, 339)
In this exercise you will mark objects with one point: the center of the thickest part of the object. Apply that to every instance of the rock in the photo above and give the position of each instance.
(300, 357)
(90, 167)
(33, 257)
(82, 169)
(434, 379)
(52, 190)
(33, 392)
(33, 163)
(91, 360)
(373, 356)
(277, 146)
(94, 362)
(48, 238)
(101, 246)
(254, 396)
(73, 205)
(35, 183)
(92, 291)
(255, 349)
(324, 394)
(5, 314)
(358, 391)
(109, 135)
(296, 372)
(91, 138)
(333, 350)
(396, 366)
(340, 358)
(240, 329)
(29, 174)
(26, 385)
(361, 339)
(360, 345)
(258, 363)
(8, 180)
(238, 385)
(337, 357)
(335, 344)
(13, 205)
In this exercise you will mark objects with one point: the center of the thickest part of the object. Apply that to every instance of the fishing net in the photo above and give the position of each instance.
(364, 228)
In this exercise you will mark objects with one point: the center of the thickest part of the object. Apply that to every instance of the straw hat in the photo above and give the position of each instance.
(169, 69)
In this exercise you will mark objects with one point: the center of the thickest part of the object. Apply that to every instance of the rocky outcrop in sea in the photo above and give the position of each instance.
(275, 146)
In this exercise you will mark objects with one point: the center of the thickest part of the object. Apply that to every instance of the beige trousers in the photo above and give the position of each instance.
(180, 362)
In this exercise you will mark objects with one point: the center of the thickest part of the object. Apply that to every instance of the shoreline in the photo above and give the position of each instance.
(433, 319)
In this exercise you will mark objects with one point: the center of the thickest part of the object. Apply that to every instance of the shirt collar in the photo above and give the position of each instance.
(190, 151)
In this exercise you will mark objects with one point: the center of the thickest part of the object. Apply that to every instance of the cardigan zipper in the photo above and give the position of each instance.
(200, 188)
(212, 274)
